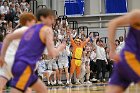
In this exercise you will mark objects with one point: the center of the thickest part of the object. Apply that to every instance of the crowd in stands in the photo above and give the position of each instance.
(96, 65)
(10, 11)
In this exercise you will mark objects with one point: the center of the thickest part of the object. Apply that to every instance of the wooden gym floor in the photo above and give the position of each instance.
(94, 88)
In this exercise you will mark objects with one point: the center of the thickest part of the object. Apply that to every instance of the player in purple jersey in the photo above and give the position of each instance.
(30, 49)
(127, 65)
(26, 20)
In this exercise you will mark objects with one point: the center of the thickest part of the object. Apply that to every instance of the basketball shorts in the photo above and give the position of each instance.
(24, 76)
(52, 66)
(49, 72)
(126, 71)
(62, 65)
(5, 71)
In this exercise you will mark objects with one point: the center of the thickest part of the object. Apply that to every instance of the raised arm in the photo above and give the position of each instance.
(129, 19)
(85, 42)
(48, 37)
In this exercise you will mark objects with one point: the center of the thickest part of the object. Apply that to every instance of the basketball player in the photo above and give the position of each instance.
(26, 20)
(127, 66)
(63, 64)
(30, 49)
(76, 61)
(44, 71)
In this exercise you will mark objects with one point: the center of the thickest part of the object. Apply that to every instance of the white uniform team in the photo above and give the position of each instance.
(5, 71)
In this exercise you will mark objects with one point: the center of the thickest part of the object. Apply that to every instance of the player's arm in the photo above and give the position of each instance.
(47, 34)
(8, 39)
(128, 19)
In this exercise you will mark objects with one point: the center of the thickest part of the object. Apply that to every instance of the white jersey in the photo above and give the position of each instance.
(11, 50)
(63, 57)
(10, 54)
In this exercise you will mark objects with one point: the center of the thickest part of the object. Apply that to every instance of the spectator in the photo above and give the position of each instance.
(17, 13)
(13, 2)
(53, 66)
(63, 63)
(88, 47)
(122, 43)
(74, 33)
(61, 35)
(4, 8)
(1, 3)
(118, 47)
(9, 28)
(82, 34)
(83, 69)
(23, 4)
(110, 62)
(11, 14)
(91, 35)
(78, 46)
(45, 72)
(87, 67)
(101, 58)
(93, 65)
(2, 19)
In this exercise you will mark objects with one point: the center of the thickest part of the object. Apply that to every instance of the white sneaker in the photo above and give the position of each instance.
(88, 82)
(53, 83)
(94, 79)
(48, 83)
(78, 83)
(60, 83)
(98, 80)
(68, 82)
(104, 80)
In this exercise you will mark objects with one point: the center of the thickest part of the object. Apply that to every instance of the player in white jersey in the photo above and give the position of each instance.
(43, 70)
(63, 63)
(26, 20)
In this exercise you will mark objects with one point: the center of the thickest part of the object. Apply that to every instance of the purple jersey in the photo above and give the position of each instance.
(31, 47)
(132, 43)
(128, 69)
(0, 46)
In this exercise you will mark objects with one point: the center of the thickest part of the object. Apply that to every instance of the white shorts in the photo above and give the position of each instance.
(6, 70)
(63, 65)
(49, 72)
(52, 66)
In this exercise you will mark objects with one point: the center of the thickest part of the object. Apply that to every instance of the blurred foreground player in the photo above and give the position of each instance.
(30, 49)
(127, 66)
(26, 20)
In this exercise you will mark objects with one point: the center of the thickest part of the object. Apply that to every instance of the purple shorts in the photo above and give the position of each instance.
(24, 76)
(123, 75)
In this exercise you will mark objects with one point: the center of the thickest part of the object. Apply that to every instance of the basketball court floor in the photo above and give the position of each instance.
(94, 88)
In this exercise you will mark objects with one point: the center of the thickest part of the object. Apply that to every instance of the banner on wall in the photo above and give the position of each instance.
(116, 6)
(73, 7)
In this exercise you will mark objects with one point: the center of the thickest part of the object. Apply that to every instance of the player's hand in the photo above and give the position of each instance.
(115, 57)
(1, 61)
